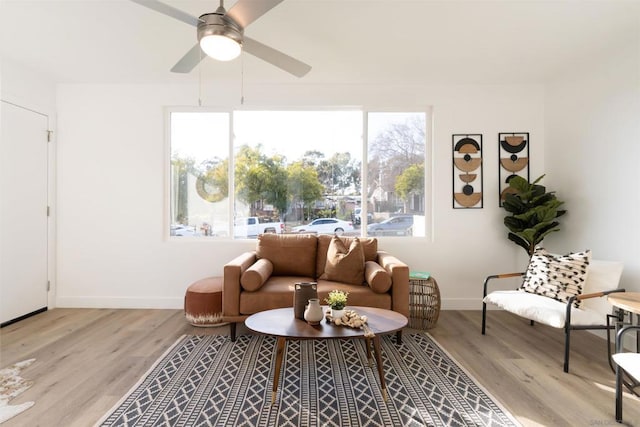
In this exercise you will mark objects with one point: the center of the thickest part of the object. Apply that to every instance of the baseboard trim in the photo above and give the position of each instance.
(17, 319)
(178, 303)
(119, 302)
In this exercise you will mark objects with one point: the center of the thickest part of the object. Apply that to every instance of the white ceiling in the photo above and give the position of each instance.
(345, 41)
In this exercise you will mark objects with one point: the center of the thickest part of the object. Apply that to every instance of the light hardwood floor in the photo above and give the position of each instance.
(87, 359)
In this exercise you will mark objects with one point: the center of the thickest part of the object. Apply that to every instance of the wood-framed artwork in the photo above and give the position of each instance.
(513, 155)
(467, 171)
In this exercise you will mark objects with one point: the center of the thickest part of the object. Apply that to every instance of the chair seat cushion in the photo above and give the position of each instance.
(630, 362)
(542, 309)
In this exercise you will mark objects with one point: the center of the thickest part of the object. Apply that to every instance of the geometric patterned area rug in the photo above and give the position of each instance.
(211, 381)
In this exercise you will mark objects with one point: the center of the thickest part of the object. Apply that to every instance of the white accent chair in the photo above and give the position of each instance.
(628, 362)
(602, 279)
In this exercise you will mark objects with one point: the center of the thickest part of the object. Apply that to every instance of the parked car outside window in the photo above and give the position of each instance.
(326, 226)
(183, 230)
(356, 216)
(401, 225)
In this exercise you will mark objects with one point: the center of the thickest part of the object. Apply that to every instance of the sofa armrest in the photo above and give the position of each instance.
(231, 286)
(399, 273)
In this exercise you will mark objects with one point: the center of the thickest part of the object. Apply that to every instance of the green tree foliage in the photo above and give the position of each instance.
(533, 212)
(181, 168)
(260, 179)
(340, 174)
(304, 185)
(410, 182)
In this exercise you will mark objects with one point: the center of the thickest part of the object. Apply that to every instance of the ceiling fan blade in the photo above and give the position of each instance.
(275, 57)
(189, 60)
(171, 11)
(244, 12)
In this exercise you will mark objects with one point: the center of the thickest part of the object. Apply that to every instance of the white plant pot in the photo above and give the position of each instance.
(337, 314)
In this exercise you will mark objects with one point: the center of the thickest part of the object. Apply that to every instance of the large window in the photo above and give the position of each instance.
(298, 171)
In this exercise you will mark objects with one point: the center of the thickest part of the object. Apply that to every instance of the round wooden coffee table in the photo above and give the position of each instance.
(282, 324)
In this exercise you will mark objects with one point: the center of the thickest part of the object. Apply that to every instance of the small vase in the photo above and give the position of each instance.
(337, 314)
(313, 313)
(303, 292)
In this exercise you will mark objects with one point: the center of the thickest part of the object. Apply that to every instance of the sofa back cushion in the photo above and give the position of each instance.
(290, 254)
(344, 264)
(369, 247)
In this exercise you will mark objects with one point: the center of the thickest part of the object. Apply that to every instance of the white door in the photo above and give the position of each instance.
(23, 211)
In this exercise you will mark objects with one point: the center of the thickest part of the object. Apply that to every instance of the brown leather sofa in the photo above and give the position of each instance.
(264, 279)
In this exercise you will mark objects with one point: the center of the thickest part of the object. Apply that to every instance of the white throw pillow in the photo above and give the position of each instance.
(557, 276)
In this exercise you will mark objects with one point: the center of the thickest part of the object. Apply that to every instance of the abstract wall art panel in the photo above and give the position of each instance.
(513, 153)
(467, 171)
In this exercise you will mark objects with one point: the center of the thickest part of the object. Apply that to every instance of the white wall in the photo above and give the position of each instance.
(592, 126)
(111, 195)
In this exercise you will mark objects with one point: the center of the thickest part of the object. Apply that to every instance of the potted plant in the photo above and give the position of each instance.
(532, 212)
(337, 300)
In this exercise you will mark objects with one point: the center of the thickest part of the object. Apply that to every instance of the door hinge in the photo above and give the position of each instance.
(48, 285)
(49, 133)
(48, 211)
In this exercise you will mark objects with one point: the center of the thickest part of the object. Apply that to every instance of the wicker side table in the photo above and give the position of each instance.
(424, 300)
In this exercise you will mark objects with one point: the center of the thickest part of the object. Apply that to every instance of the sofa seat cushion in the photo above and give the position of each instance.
(358, 294)
(291, 255)
(541, 309)
(276, 292)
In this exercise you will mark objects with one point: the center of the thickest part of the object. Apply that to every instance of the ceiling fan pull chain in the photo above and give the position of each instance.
(241, 79)
(200, 81)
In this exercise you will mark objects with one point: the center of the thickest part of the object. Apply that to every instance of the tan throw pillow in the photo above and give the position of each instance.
(255, 276)
(369, 247)
(344, 265)
(377, 277)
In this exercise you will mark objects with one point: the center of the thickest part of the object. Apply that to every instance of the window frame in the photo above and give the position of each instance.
(428, 172)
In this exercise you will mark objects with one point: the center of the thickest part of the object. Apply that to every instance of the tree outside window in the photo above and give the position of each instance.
(294, 167)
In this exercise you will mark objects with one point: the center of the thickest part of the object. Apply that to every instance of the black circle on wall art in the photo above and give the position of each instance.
(467, 145)
(467, 190)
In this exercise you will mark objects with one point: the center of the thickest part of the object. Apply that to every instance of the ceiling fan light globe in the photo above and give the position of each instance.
(220, 47)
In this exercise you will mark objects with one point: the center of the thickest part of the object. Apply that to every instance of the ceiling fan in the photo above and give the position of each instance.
(221, 35)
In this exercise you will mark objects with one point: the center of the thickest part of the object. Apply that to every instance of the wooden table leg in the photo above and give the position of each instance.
(367, 341)
(276, 373)
(376, 349)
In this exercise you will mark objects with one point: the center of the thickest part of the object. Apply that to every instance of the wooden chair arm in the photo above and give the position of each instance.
(597, 294)
(507, 275)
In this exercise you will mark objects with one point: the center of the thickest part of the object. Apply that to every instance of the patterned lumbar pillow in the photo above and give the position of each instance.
(557, 276)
